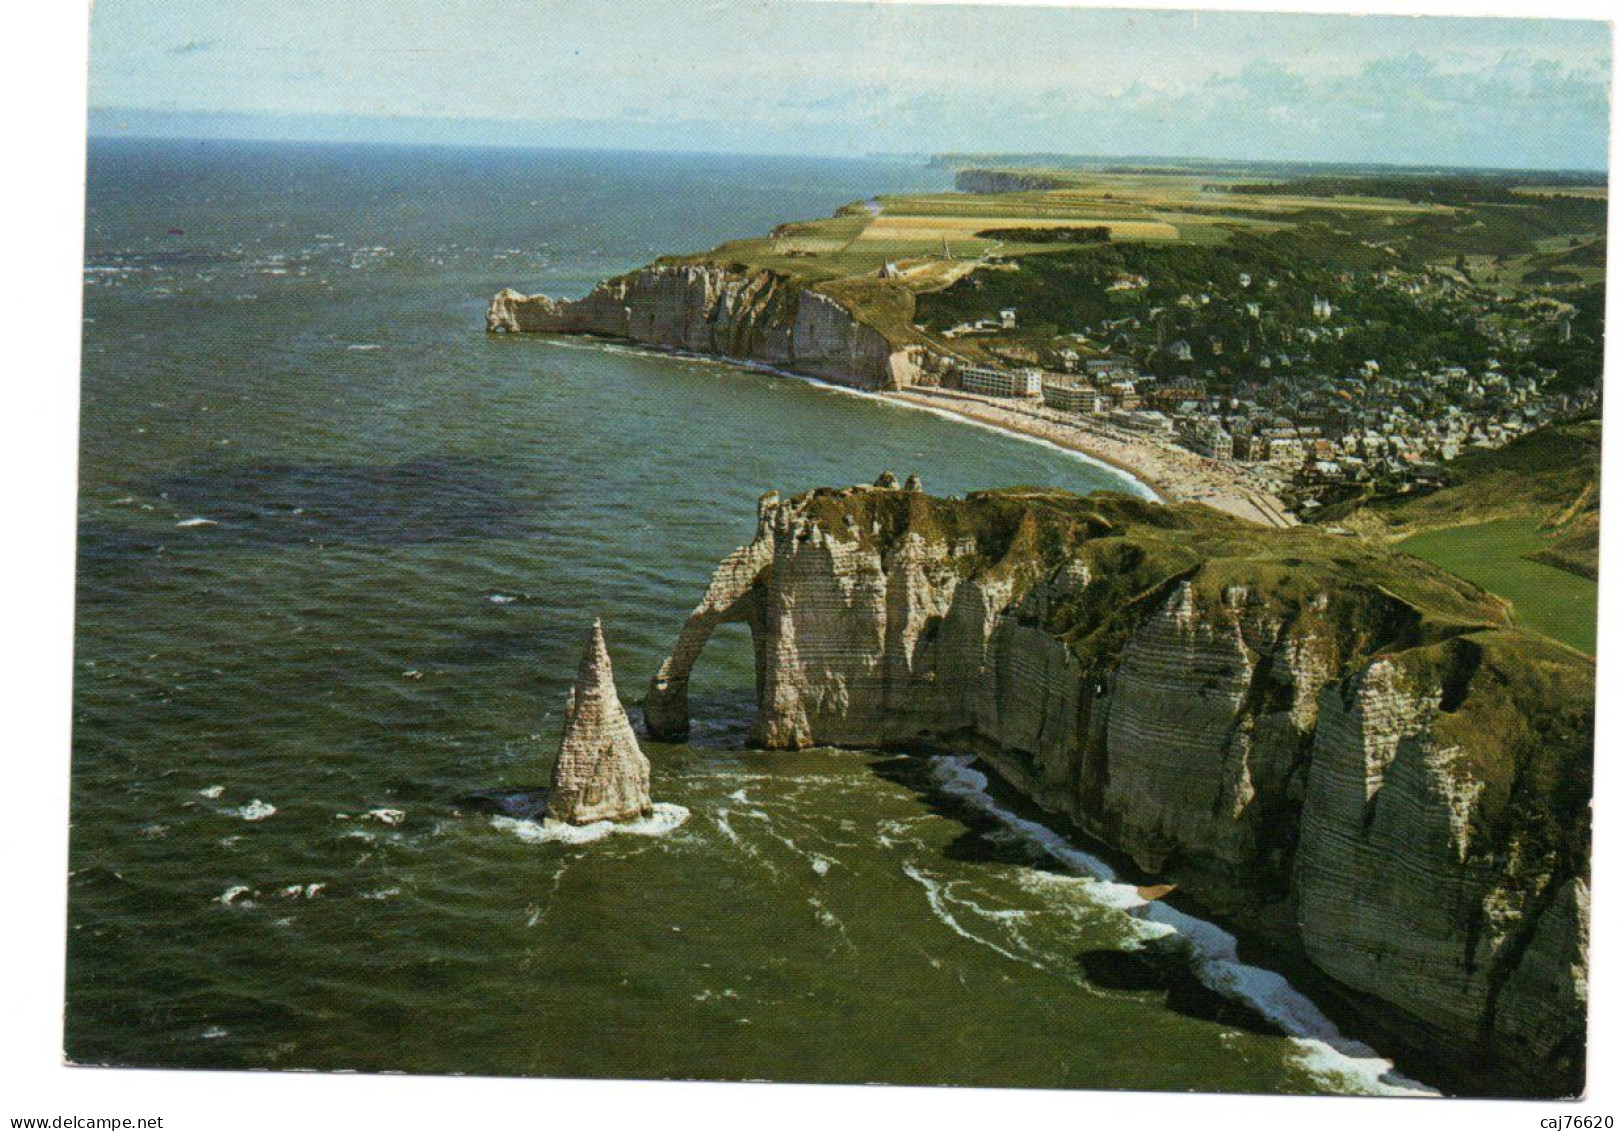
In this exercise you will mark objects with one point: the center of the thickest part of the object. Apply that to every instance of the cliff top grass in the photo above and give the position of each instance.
(1552, 474)
(1515, 709)
(876, 256)
(1149, 545)
(1507, 519)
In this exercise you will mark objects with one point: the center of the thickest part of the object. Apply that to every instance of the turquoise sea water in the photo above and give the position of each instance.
(337, 552)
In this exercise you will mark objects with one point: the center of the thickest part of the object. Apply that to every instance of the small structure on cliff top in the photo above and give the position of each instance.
(887, 480)
(601, 773)
(914, 483)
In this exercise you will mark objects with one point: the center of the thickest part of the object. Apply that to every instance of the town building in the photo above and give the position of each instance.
(1068, 394)
(1001, 382)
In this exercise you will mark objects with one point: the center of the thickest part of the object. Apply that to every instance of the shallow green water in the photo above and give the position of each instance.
(337, 551)
(1491, 554)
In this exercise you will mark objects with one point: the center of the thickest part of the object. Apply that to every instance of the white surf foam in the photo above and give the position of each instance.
(197, 522)
(385, 816)
(255, 810)
(233, 894)
(937, 899)
(666, 818)
(1323, 1049)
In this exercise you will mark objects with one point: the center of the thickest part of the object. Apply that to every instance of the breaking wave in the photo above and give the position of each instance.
(665, 819)
(255, 810)
(1322, 1048)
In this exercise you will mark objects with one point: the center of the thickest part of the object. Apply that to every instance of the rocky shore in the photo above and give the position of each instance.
(1343, 750)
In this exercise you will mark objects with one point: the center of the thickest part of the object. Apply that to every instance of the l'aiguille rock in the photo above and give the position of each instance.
(601, 773)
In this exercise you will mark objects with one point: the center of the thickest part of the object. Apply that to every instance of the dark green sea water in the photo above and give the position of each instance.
(337, 551)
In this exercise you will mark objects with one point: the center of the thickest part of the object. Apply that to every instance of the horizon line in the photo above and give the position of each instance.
(907, 156)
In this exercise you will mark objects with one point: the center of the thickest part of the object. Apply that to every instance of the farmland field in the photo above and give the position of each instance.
(1137, 207)
(888, 256)
(933, 228)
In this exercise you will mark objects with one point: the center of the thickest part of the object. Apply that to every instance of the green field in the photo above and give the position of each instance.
(916, 266)
(1547, 600)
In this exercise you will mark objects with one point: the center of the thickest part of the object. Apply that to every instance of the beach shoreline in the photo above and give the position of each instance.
(1173, 474)
(1166, 472)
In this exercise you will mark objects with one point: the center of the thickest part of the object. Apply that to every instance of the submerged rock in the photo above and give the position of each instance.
(601, 773)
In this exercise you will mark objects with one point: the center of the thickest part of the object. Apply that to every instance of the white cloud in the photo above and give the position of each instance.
(864, 77)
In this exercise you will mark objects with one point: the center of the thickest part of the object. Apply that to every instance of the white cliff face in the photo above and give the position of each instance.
(752, 316)
(601, 773)
(1471, 921)
(1177, 758)
(1247, 736)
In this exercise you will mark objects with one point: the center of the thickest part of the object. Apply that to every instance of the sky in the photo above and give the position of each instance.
(846, 79)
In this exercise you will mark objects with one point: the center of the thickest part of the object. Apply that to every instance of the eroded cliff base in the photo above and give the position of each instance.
(1311, 734)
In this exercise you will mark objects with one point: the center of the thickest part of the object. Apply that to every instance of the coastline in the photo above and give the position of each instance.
(1163, 472)
(1172, 474)
(1233, 958)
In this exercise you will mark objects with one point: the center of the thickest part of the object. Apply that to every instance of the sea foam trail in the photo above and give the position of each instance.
(1322, 1047)
(666, 818)
(1134, 484)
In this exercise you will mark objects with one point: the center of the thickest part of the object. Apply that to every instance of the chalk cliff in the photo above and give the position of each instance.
(601, 773)
(757, 316)
(1334, 742)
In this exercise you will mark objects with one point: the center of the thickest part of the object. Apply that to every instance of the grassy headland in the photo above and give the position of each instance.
(1323, 297)
(915, 265)
(1523, 521)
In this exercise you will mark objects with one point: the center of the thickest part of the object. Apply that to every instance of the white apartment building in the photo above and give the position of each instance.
(1001, 382)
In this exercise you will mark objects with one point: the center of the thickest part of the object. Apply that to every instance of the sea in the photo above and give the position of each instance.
(338, 551)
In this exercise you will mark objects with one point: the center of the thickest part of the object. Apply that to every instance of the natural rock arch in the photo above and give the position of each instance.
(737, 593)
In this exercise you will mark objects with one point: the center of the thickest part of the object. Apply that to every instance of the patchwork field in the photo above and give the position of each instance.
(878, 255)
(1583, 192)
(947, 226)
(929, 229)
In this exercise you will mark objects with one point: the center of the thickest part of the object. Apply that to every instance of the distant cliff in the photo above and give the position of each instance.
(1005, 180)
(1336, 744)
(757, 316)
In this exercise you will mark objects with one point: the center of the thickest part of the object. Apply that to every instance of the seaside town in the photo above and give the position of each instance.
(1263, 390)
